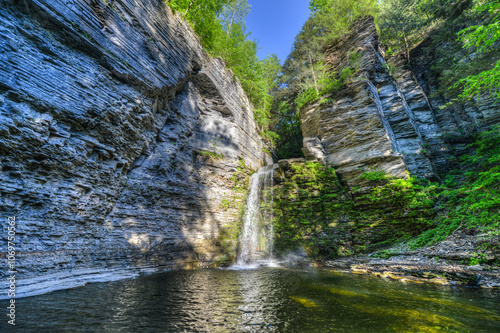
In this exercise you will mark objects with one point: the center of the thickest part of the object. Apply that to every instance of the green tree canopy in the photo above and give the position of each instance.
(220, 24)
(482, 38)
(305, 77)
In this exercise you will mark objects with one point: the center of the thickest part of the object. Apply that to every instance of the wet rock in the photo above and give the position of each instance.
(444, 263)
(106, 109)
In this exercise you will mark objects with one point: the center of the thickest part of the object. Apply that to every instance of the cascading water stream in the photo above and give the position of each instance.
(271, 238)
(256, 240)
(249, 235)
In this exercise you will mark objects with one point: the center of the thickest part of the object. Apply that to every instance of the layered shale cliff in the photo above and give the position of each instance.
(384, 117)
(122, 142)
(389, 117)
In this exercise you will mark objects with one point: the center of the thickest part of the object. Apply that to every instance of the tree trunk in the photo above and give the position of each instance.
(230, 24)
(189, 7)
(407, 48)
(314, 75)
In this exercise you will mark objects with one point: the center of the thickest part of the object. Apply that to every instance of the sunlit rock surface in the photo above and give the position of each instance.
(119, 137)
(384, 117)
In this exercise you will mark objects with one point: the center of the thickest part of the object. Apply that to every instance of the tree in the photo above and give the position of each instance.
(305, 76)
(220, 24)
(203, 16)
(482, 38)
(405, 23)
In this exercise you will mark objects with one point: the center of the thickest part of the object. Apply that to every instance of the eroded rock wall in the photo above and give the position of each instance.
(369, 124)
(388, 116)
(121, 142)
(456, 123)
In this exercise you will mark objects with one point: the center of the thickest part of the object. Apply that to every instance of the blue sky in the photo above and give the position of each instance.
(274, 24)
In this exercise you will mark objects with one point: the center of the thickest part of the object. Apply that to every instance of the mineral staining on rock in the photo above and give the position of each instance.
(106, 110)
(382, 118)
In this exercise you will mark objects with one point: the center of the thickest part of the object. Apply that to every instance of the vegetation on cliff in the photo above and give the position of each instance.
(220, 24)
(468, 28)
(305, 76)
(308, 205)
(469, 197)
(314, 210)
(482, 39)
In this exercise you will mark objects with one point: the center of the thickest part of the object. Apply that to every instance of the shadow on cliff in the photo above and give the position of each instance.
(99, 148)
(180, 193)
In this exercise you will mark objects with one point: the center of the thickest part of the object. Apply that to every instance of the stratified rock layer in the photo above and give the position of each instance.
(383, 119)
(119, 138)
(369, 124)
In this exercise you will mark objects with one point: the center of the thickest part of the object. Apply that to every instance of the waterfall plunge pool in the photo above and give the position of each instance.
(257, 300)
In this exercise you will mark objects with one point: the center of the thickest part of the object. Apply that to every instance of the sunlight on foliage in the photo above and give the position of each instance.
(220, 24)
(482, 38)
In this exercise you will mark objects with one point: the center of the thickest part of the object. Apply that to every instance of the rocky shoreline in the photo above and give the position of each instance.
(462, 259)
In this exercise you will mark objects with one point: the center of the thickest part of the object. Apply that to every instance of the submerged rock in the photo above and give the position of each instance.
(447, 263)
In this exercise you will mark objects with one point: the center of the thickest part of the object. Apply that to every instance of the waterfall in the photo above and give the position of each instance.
(256, 239)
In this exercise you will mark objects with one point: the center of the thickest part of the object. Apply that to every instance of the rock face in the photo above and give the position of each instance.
(313, 210)
(455, 123)
(121, 142)
(383, 118)
(447, 263)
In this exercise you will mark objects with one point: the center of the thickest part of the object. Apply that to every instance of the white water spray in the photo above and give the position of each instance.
(256, 240)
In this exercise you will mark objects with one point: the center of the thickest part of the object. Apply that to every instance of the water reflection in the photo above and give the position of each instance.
(259, 300)
(262, 300)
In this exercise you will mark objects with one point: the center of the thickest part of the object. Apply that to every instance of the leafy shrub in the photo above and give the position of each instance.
(470, 199)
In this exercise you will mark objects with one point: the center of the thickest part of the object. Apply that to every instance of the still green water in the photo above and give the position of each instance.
(260, 300)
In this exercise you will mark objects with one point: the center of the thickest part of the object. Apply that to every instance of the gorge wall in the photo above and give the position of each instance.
(122, 143)
(384, 117)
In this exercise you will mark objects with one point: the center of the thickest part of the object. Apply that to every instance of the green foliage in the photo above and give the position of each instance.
(312, 208)
(465, 199)
(482, 39)
(470, 199)
(407, 203)
(241, 177)
(470, 64)
(306, 97)
(225, 204)
(306, 208)
(337, 16)
(324, 82)
(287, 126)
(208, 153)
(220, 24)
(405, 23)
(203, 16)
(378, 175)
(477, 258)
(305, 77)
